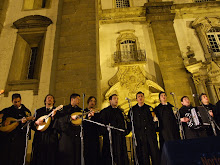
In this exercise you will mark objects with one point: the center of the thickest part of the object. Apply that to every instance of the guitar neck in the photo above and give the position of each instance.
(86, 113)
(17, 120)
(48, 115)
(59, 108)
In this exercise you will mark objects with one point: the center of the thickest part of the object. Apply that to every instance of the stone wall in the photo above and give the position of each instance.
(3, 9)
(76, 62)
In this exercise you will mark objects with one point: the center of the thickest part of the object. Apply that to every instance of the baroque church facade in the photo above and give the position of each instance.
(101, 47)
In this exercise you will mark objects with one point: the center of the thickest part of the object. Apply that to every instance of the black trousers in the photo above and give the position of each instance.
(147, 147)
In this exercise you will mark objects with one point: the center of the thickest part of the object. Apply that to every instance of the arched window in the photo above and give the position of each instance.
(128, 49)
(122, 3)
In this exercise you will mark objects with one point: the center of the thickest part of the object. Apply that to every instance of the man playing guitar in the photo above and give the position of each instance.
(13, 142)
(45, 143)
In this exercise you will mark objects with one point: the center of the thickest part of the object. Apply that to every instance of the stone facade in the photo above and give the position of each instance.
(92, 47)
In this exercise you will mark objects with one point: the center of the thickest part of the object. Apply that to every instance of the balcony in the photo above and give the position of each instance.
(129, 57)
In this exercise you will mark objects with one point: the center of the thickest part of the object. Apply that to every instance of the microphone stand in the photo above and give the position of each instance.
(182, 134)
(28, 128)
(109, 127)
(81, 135)
(133, 133)
(27, 136)
(212, 121)
(110, 142)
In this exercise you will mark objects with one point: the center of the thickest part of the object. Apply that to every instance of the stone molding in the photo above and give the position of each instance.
(33, 21)
(131, 14)
(202, 25)
(159, 11)
(18, 85)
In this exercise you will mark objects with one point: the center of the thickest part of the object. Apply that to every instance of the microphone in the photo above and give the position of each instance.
(127, 98)
(194, 95)
(172, 93)
(84, 94)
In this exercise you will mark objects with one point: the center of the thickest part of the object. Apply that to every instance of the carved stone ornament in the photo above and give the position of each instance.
(131, 80)
(206, 23)
(202, 25)
(190, 57)
(33, 21)
(197, 69)
(131, 77)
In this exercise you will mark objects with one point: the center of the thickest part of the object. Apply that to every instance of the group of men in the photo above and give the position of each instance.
(61, 142)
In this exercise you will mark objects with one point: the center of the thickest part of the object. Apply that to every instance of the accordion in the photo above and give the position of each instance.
(195, 121)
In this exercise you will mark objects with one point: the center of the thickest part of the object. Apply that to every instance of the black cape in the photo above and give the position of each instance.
(69, 147)
(45, 144)
(114, 117)
(212, 107)
(145, 133)
(91, 140)
(13, 143)
(168, 125)
(190, 133)
(217, 115)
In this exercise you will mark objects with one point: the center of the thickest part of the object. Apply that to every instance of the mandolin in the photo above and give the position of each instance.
(13, 123)
(79, 115)
(47, 119)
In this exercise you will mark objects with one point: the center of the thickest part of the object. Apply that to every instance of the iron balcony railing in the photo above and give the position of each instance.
(123, 57)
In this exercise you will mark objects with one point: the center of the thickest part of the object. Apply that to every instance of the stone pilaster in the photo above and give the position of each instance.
(76, 62)
(175, 77)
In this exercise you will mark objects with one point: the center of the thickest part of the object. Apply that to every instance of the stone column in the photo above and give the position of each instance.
(175, 77)
(76, 61)
(200, 76)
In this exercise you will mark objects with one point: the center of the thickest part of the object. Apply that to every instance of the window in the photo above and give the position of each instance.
(203, 0)
(122, 3)
(128, 49)
(214, 40)
(32, 63)
(28, 52)
(36, 4)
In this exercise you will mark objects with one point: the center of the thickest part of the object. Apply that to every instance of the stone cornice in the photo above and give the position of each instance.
(189, 6)
(193, 10)
(132, 14)
(159, 11)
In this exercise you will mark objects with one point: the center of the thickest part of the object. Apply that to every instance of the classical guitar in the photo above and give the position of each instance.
(47, 119)
(79, 116)
(13, 123)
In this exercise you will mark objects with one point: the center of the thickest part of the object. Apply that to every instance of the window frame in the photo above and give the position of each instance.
(130, 4)
(216, 33)
(29, 34)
